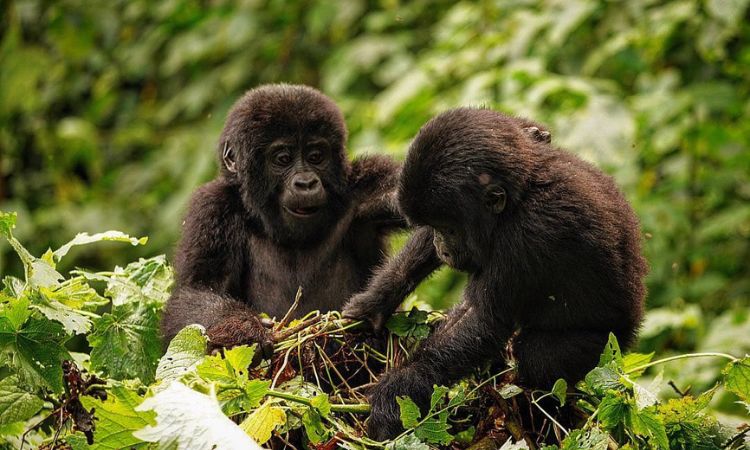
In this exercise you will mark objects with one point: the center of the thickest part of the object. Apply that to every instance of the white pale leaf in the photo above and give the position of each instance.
(189, 420)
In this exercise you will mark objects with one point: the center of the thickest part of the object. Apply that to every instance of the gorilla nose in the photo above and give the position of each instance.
(306, 182)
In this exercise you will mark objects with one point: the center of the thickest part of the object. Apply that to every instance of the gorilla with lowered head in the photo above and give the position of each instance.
(551, 246)
(287, 210)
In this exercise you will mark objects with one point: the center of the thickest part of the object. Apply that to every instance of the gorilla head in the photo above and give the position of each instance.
(284, 146)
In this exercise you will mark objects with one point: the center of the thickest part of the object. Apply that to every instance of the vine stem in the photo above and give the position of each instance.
(685, 356)
(357, 408)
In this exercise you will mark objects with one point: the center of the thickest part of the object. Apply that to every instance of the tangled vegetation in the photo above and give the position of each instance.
(125, 393)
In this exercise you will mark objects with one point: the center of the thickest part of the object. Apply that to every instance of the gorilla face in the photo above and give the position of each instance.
(284, 146)
(451, 247)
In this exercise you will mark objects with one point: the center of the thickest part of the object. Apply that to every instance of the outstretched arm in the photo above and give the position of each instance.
(395, 280)
(470, 336)
(209, 264)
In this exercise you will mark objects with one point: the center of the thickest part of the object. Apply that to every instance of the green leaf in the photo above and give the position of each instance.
(75, 293)
(239, 358)
(314, 428)
(409, 324)
(16, 404)
(435, 430)
(465, 437)
(613, 410)
(190, 420)
(611, 353)
(603, 379)
(146, 280)
(73, 320)
(560, 390)
(16, 311)
(438, 393)
(737, 378)
(185, 352)
(125, 343)
(117, 419)
(260, 424)
(591, 439)
(409, 412)
(35, 351)
(321, 404)
(85, 238)
(647, 423)
(7, 223)
(408, 442)
(633, 360)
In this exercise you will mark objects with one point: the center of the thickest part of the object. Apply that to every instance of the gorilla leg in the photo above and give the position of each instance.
(544, 356)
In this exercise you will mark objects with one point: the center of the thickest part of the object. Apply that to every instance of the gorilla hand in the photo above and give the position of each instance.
(385, 417)
(239, 330)
(371, 306)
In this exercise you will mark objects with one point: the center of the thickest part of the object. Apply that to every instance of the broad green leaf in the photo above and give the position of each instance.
(35, 351)
(435, 430)
(647, 423)
(216, 369)
(16, 404)
(409, 412)
(560, 390)
(408, 442)
(409, 324)
(185, 352)
(187, 419)
(643, 397)
(611, 353)
(118, 419)
(321, 404)
(239, 358)
(602, 379)
(260, 424)
(737, 378)
(85, 238)
(613, 409)
(125, 343)
(314, 428)
(16, 311)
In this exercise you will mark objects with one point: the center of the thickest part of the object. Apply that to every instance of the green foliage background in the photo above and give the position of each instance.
(109, 113)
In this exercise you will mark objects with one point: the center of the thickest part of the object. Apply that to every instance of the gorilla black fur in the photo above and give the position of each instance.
(551, 246)
(287, 210)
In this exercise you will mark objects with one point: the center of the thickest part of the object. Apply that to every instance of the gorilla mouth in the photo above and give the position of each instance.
(302, 212)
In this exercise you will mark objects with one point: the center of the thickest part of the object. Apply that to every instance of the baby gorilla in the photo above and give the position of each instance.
(551, 246)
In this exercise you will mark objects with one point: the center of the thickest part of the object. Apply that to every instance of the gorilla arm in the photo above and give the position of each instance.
(374, 180)
(466, 339)
(209, 263)
(395, 280)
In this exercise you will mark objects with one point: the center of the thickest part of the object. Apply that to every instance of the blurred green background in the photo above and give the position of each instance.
(110, 111)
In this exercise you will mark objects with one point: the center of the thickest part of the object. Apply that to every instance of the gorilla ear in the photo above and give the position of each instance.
(228, 157)
(495, 198)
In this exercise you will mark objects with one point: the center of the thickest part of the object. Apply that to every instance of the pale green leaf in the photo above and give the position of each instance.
(85, 238)
(737, 378)
(185, 352)
(314, 428)
(409, 412)
(560, 390)
(260, 424)
(408, 442)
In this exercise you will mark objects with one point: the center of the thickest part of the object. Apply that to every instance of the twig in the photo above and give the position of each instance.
(676, 389)
(291, 311)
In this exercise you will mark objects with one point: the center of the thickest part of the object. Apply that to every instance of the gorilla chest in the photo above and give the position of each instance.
(328, 277)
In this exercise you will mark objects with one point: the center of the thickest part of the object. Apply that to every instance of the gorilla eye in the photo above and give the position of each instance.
(282, 159)
(315, 157)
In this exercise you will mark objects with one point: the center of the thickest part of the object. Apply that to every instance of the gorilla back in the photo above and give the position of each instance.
(287, 210)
